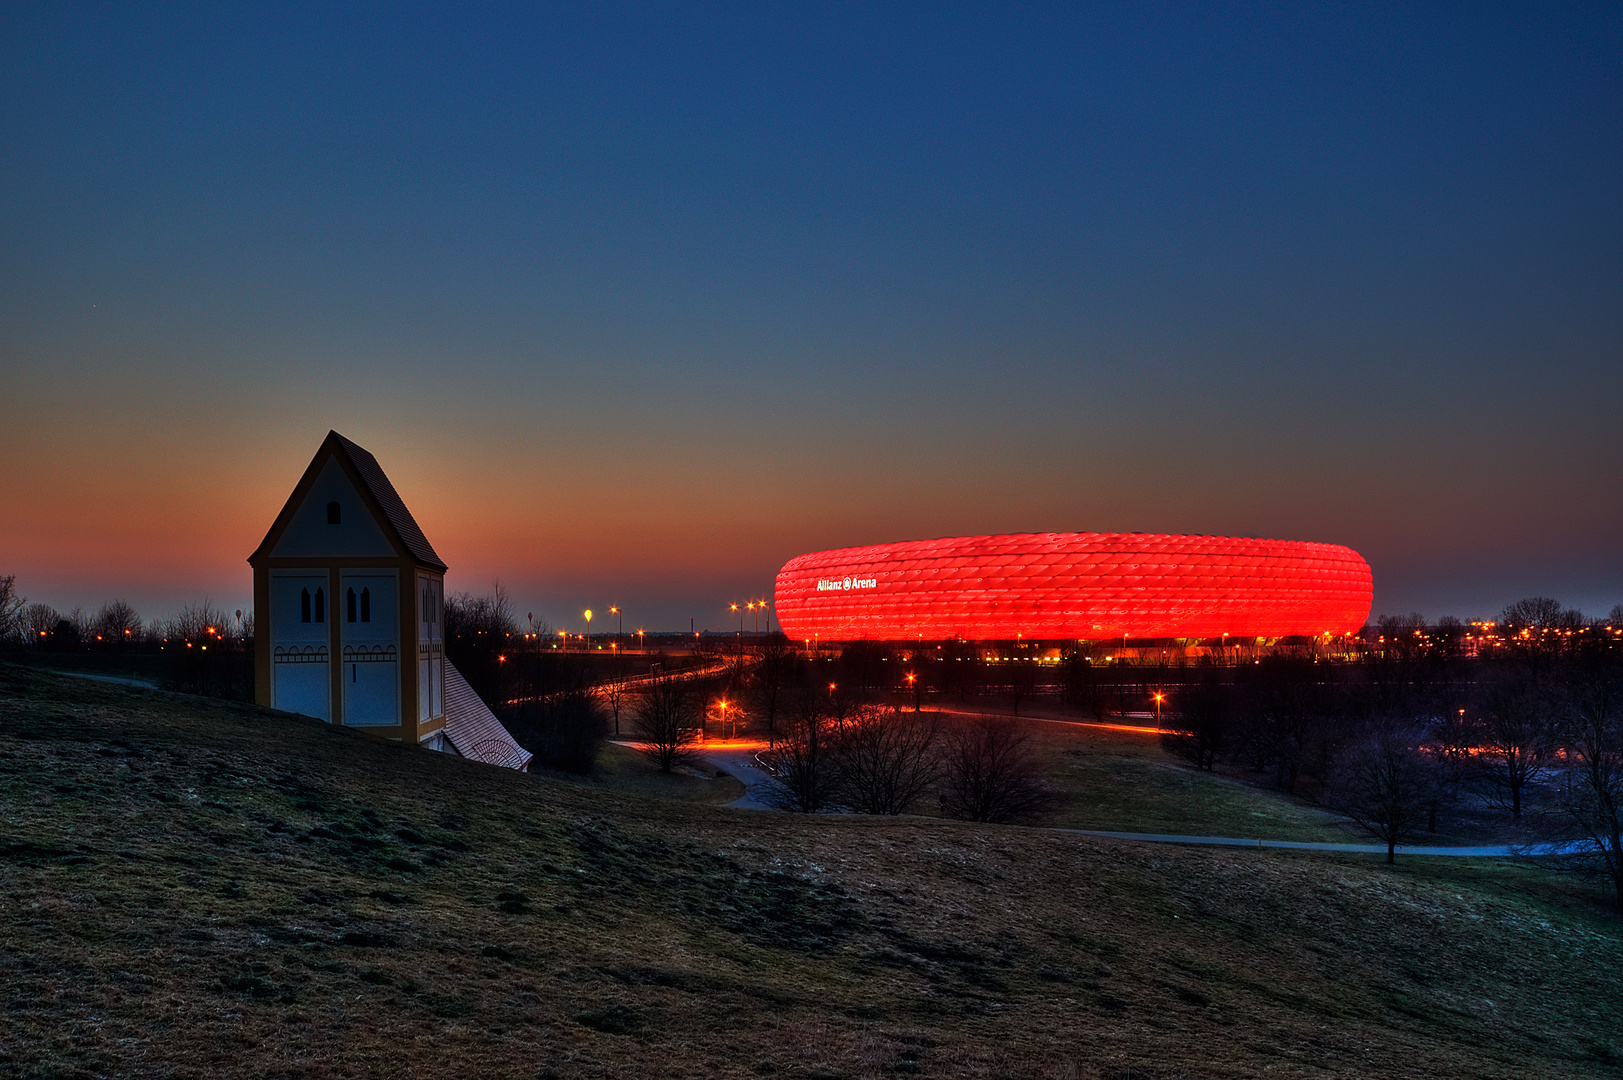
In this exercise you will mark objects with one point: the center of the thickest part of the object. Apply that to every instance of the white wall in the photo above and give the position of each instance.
(309, 536)
(371, 647)
(300, 679)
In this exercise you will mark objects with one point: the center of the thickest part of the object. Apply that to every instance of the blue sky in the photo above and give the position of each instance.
(637, 302)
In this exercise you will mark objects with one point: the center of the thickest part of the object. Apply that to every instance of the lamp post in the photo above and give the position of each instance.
(588, 631)
(740, 635)
(913, 681)
(1158, 699)
(620, 628)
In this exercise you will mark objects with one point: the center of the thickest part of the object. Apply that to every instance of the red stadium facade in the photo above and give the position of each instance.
(1074, 585)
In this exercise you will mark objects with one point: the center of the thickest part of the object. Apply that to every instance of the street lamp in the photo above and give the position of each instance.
(620, 627)
(913, 681)
(1158, 699)
(588, 631)
(740, 634)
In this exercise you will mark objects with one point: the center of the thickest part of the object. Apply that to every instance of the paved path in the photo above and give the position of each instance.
(740, 761)
(1490, 852)
(150, 684)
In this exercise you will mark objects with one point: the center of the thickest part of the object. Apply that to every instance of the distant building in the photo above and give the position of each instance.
(1055, 586)
(348, 603)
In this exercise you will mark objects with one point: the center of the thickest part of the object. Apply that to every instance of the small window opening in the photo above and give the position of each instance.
(352, 605)
(366, 605)
(334, 514)
(304, 605)
(321, 606)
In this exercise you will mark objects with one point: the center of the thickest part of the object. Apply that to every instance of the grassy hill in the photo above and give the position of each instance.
(198, 889)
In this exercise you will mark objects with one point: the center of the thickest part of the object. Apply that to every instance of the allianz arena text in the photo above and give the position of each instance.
(1074, 585)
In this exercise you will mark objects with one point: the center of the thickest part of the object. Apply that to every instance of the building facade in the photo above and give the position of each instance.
(1057, 586)
(349, 598)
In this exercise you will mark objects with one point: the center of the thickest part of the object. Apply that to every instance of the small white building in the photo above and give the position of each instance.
(344, 582)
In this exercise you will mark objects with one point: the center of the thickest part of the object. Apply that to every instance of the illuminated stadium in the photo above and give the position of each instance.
(1074, 585)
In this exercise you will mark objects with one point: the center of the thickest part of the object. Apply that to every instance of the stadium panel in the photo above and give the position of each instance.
(1074, 585)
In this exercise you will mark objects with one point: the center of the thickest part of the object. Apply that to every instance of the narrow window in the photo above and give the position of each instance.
(321, 606)
(352, 605)
(366, 605)
(304, 605)
(334, 515)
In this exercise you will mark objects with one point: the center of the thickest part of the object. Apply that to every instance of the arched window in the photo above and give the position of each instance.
(352, 605)
(366, 605)
(304, 605)
(321, 606)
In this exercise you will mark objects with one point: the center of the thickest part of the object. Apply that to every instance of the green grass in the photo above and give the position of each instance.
(1123, 781)
(196, 889)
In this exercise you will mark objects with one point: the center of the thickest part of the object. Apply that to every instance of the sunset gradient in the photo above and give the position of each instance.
(635, 304)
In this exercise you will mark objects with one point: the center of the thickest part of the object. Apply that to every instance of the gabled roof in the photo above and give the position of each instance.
(373, 483)
(474, 730)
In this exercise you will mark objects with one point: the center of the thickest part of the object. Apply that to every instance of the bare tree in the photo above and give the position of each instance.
(613, 695)
(1082, 677)
(565, 729)
(668, 717)
(1535, 631)
(12, 604)
(1204, 721)
(1023, 675)
(802, 764)
(1516, 741)
(480, 633)
(886, 760)
(117, 625)
(988, 774)
(38, 622)
(772, 675)
(1384, 785)
(206, 653)
(1402, 636)
(1593, 795)
(1284, 722)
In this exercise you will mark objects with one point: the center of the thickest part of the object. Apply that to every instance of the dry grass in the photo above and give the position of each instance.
(623, 770)
(1124, 781)
(196, 890)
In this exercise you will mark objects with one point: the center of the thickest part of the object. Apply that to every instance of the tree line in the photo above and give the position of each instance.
(200, 649)
(829, 751)
(1410, 733)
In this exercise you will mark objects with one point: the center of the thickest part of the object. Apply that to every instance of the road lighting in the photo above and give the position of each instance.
(588, 631)
(740, 634)
(913, 681)
(1158, 699)
(620, 628)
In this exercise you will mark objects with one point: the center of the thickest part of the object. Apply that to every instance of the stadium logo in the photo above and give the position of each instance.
(846, 584)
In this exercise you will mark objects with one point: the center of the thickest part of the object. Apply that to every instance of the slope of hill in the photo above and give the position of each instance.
(199, 889)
